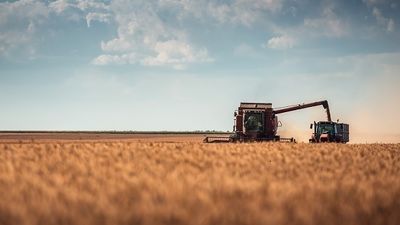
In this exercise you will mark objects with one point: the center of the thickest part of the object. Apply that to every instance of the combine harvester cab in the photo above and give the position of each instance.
(252, 122)
(255, 122)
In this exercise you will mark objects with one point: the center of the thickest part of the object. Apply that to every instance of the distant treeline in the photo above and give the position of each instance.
(118, 132)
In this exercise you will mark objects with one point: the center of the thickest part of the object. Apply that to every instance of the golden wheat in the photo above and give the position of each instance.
(195, 183)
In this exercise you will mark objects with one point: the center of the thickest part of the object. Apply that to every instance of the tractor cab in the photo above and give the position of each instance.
(326, 128)
(327, 131)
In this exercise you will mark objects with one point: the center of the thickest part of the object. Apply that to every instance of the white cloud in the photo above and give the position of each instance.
(156, 32)
(221, 12)
(387, 23)
(77, 10)
(18, 22)
(143, 29)
(158, 40)
(244, 12)
(22, 21)
(101, 17)
(24, 9)
(105, 59)
(268, 5)
(154, 41)
(327, 27)
(378, 15)
(328, 24)
(144, 34)
(22, 12)
(238, 12)
(281, 42)
(60, 6)
(85, 5)
(390, 25)
(175, 53)
(116, 45)
(373, 2)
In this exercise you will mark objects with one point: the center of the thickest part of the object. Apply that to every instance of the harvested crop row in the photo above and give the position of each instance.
(194, 183)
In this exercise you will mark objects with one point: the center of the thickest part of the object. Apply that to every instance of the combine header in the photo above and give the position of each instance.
(259, 122)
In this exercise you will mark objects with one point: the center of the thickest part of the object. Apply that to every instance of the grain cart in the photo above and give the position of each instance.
(259, 122)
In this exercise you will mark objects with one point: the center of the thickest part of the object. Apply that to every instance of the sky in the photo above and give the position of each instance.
(185, 65)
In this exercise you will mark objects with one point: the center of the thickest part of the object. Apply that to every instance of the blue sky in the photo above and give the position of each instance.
(186, 64)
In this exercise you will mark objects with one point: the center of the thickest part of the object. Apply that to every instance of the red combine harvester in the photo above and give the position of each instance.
(259, 122)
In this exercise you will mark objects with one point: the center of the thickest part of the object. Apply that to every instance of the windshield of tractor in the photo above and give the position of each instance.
(325, 128)
(253, 121)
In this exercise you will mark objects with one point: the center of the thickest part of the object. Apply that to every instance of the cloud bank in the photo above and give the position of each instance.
(155, 33)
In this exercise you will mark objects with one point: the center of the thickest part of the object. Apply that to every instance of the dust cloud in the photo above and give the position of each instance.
(375, 118)
(371, 108)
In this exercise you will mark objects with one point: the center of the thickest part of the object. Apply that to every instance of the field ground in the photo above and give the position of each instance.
(183, 181)
(42, 137)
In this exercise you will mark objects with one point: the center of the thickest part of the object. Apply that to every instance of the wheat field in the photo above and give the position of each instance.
(195, 183)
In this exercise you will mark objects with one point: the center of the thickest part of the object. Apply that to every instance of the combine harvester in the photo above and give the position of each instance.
(256, 122)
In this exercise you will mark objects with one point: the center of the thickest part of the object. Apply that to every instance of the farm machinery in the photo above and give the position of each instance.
(328, 131)
(259, 122)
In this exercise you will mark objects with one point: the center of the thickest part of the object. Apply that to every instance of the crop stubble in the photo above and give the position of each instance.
(195, 183)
